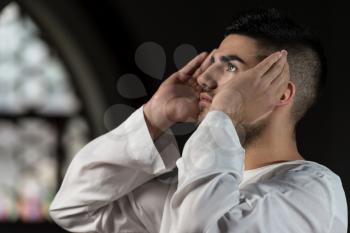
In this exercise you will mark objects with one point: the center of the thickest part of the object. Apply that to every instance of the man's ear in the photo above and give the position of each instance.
(287, 95)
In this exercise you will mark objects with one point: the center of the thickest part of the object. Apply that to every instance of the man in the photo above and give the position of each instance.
(240, 171)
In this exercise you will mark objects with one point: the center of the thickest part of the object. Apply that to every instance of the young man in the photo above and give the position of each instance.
(240, 171)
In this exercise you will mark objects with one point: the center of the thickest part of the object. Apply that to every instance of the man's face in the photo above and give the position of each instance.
(236, 53)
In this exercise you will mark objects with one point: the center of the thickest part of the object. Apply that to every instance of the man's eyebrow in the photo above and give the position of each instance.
(228, 58)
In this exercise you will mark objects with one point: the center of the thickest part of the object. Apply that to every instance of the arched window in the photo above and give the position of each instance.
(42, 119)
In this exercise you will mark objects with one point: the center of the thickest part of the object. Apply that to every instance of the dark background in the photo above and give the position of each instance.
(107, 33)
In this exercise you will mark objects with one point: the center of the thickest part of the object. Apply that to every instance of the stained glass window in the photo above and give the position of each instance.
(41, 120)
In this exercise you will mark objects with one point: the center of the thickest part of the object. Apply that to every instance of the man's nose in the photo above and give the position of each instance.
(207, 79)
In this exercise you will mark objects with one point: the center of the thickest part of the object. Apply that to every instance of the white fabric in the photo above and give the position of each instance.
(124, 182)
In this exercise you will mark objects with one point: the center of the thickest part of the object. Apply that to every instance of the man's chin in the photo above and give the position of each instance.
(202, 113)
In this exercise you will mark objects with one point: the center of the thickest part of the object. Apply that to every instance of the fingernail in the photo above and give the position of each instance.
(284, 52)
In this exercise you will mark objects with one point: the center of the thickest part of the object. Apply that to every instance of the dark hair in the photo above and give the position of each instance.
(274, 31)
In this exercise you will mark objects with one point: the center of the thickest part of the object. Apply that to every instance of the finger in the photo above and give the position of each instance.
(182, 77)
(192, 82)
(193, 65)
(281, 90)
(279, 84)
(189, 67)
(204, 65)
(275, 70)
(266, 64)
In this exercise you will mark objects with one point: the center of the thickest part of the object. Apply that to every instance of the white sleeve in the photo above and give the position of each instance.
(95, 195)
(208, 198)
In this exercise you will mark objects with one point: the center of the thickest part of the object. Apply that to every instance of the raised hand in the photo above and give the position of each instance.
(252, 94)
(176, 99)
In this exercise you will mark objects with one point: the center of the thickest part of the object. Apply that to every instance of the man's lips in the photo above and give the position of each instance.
(204, 97)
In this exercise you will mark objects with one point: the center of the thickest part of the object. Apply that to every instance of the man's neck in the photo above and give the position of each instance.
(276, 144)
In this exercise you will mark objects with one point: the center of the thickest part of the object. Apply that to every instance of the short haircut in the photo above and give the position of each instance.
(274, 31)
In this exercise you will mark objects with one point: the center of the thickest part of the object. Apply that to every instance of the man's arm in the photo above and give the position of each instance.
(94, 194)
(110, 167)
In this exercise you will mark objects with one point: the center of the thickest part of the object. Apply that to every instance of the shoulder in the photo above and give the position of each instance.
(303, 181)
(315, 187)
(309, 187)
(307, 171)
(312, 185)
(304, 174)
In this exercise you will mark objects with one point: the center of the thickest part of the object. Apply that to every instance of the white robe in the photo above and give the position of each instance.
(124, 182)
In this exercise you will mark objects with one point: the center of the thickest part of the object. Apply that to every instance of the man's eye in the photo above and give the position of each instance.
(231, 67)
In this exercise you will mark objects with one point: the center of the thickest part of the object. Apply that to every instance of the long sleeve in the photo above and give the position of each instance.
(96, 193)
(208, 198)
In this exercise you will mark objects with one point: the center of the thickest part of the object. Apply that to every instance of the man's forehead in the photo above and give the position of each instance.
(238, 41)
(238, 45)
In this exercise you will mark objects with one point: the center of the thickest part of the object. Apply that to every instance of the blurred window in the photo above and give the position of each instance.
(41, 120)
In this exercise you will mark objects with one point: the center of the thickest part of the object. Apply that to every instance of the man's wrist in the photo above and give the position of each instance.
(155, 128)
(231, 112)
(241, 132)
(230, 104)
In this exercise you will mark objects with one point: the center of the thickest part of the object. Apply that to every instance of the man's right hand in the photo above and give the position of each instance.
(176, 99)
(251, 95)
